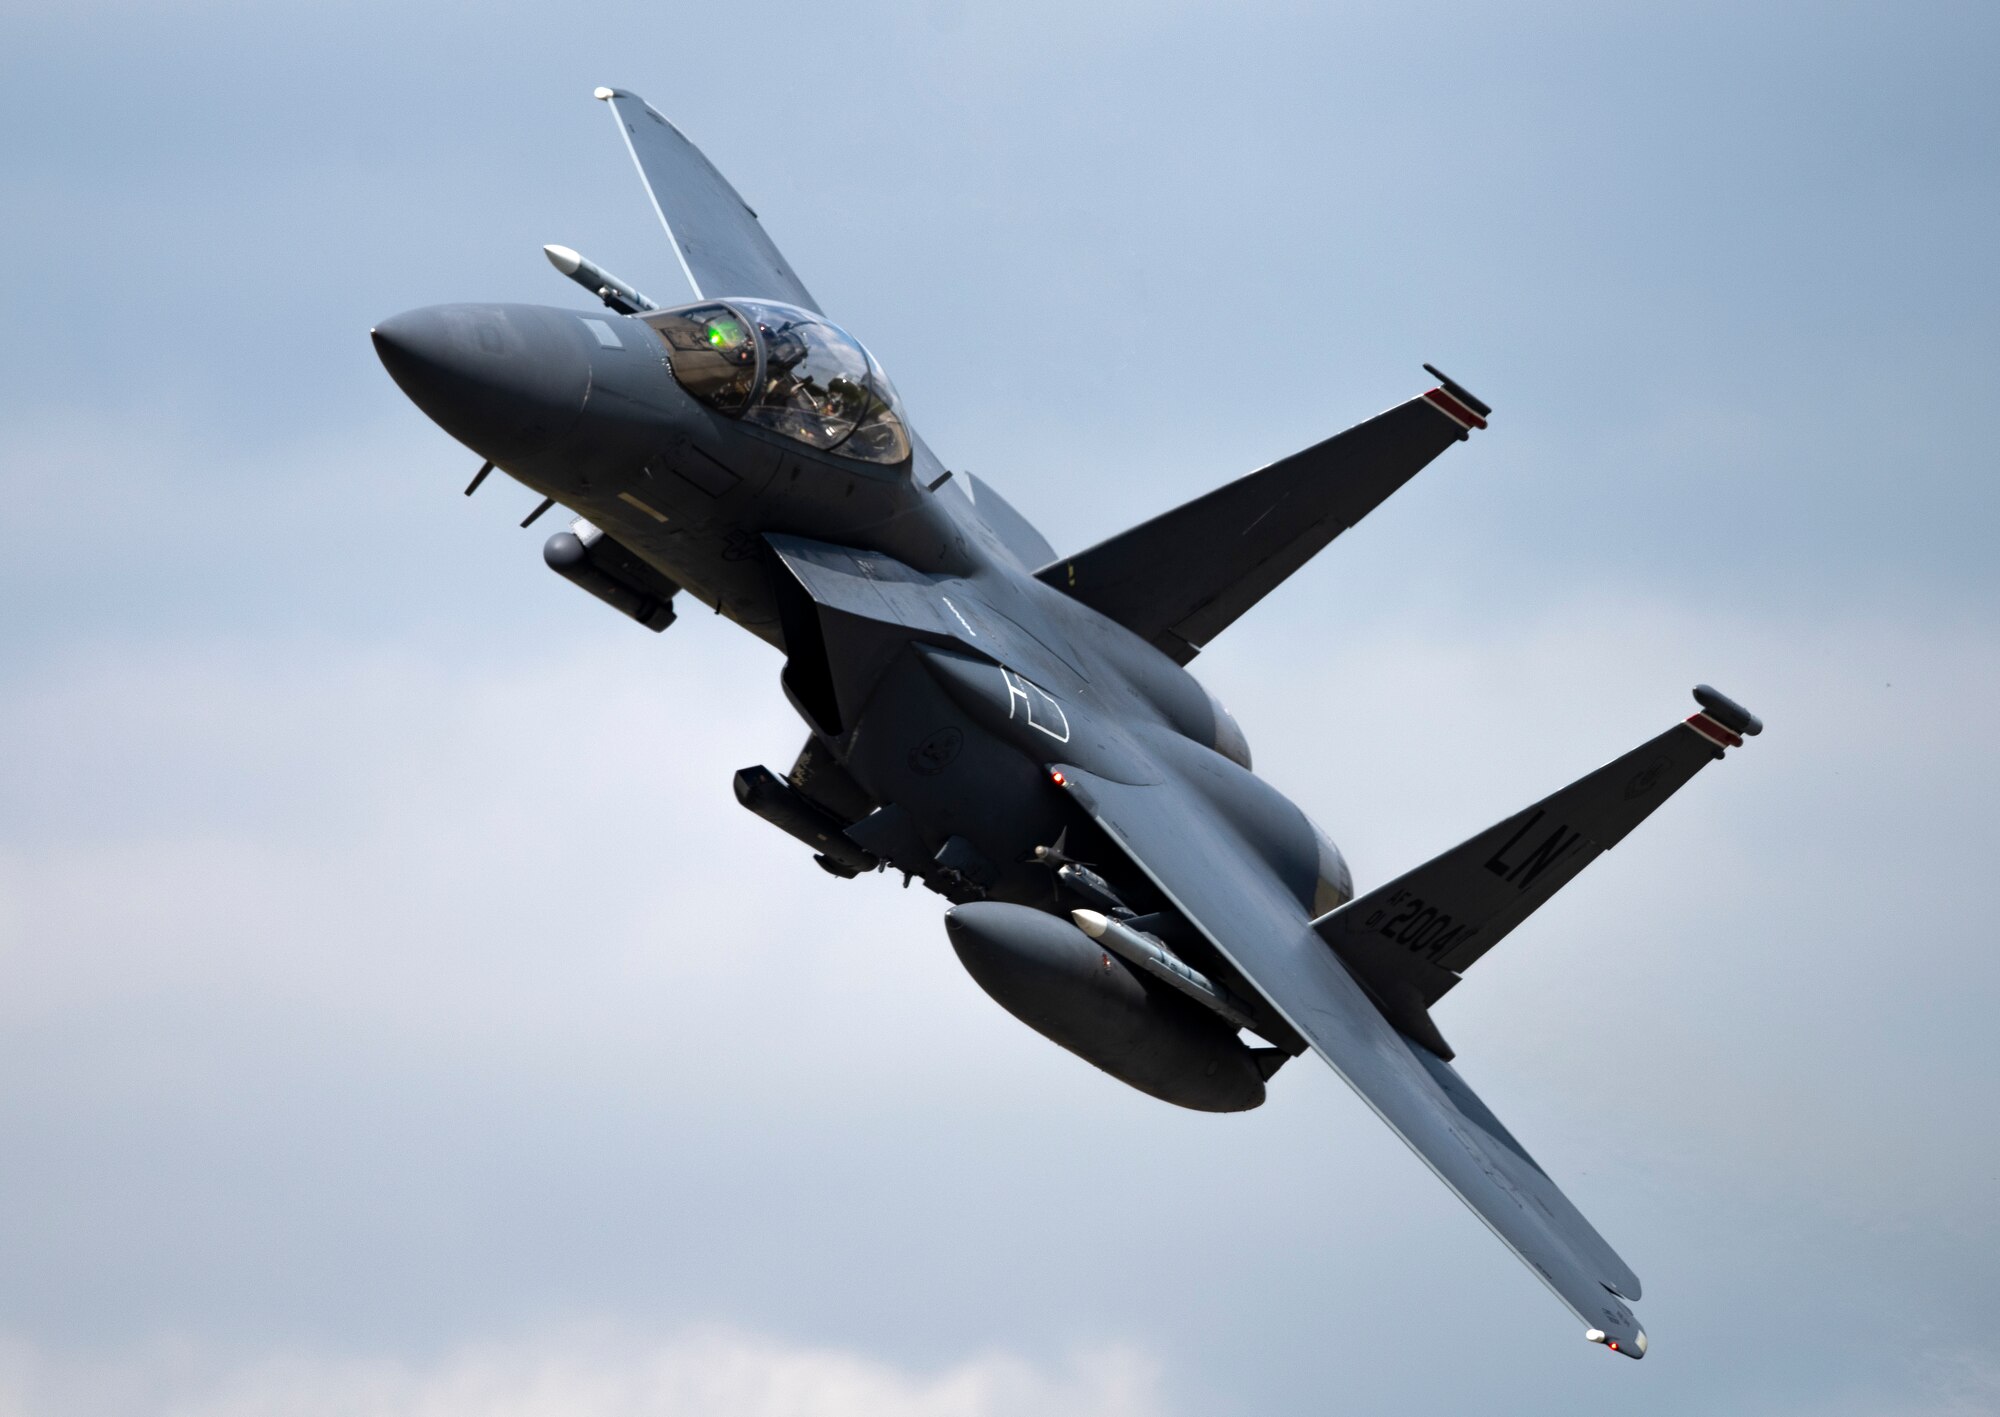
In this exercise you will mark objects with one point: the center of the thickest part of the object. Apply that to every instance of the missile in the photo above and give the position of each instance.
(623, 298)
(1143, 952)
(1088, 884)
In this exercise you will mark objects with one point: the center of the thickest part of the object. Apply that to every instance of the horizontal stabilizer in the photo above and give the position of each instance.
(1410, 940)
(1182, 578)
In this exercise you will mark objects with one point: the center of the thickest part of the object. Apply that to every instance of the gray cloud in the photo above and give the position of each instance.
(391, 994)
(421, 994)
(578, 1371)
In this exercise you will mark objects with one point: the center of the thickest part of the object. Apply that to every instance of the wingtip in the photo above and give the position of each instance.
(1635, 1349)
(1457, 402)
(1727, 711)
(1458, 391)
(603, 95)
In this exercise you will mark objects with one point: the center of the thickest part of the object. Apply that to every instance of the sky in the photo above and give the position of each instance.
(398, 1015)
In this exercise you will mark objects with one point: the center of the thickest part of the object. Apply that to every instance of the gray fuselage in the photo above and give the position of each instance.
(939, 676)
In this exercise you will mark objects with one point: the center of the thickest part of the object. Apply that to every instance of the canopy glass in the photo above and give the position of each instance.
(787, 370)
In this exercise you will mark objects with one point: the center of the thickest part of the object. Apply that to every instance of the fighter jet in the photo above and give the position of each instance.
(1018, 729)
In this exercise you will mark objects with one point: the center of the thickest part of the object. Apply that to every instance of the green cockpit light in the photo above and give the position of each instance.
(787, 370)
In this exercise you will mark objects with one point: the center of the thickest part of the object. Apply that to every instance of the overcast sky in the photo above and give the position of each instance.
(398, 1015)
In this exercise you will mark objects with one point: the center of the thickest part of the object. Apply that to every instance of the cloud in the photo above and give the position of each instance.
(1962, 1384)
(384, 962)
(575, 1372)
(412, 988)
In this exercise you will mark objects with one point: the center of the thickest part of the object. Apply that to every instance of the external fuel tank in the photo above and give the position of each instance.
(1061, 983)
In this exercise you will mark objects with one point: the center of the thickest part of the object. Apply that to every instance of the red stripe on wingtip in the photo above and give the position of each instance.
(1454, 410)
(1713, 731)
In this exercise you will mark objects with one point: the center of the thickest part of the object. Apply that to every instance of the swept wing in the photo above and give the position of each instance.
(1185, 576)
(1221, 883)
(722, 245)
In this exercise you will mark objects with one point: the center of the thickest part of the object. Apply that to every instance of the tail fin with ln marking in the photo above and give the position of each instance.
(1411, 940)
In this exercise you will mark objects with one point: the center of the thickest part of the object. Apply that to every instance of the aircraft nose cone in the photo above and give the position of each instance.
(508, 381)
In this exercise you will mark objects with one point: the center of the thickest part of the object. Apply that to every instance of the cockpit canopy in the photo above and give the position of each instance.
(785, 369)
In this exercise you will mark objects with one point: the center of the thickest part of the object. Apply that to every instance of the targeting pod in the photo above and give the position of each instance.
(795, 814)
(585, 556)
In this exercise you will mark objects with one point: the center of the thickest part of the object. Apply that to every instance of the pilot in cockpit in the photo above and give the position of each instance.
(784, 369)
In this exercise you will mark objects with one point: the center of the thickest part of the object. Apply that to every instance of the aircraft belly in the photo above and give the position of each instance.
(707, 554)
(913, 746)
(865, 607)
(708, 567)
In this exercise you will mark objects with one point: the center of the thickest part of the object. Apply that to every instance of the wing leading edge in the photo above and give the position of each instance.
(1224, 887)
(725, 251)
(1183, 577)
(722, 245)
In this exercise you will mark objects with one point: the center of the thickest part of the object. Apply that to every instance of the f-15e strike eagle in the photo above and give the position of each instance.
(1018, 729)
